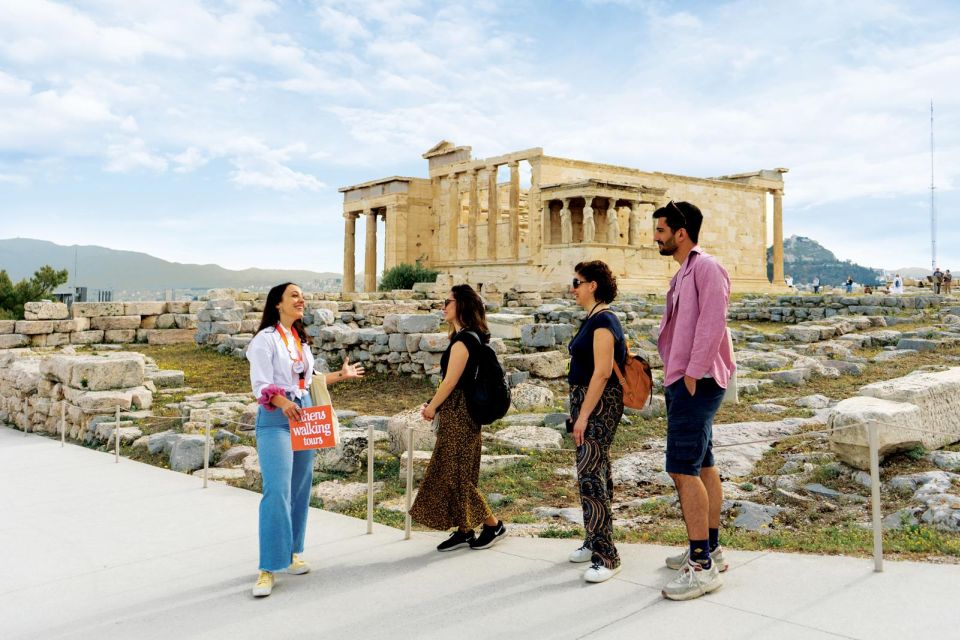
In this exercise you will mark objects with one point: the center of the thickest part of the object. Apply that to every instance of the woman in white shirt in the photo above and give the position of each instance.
(281, 369)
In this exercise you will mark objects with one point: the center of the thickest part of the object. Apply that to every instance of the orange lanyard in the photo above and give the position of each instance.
(299, 360)
(296, 338)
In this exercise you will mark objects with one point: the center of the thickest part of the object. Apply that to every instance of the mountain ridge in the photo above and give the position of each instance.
(121, 270)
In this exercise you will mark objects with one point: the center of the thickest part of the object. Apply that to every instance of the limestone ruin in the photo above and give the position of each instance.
(573, 210)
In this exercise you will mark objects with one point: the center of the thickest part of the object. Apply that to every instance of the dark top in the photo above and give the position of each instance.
(470, 342)
(581, 346)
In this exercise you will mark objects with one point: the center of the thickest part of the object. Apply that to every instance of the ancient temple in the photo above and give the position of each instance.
(464, 220)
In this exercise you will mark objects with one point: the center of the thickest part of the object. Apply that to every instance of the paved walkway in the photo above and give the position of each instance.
(93, 549)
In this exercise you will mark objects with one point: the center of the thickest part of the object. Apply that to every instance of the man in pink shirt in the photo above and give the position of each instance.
(697, 362)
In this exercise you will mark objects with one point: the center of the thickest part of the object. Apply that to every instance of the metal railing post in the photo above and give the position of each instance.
(370, 478)
(116, 438)
(873, 432)
(206, 453)
(407, 521)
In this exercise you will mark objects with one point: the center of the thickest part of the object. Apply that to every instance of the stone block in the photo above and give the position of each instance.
(105, 402)
(170, 336)
(416, 323)
(434, 342)
(34, 327)
(918, 344)
(7, 326)
(529, 437)
(163, 321)
(95, 373)
(423, 437)
(185, 320)
(537, 335)
(50, 340)
(86, 337)
(527, 397)
(144, 308)
(507, 325)
(107, 323)
(14, 341)
(897, 419)
(803, 333)
(549, 364)
(186, 454)
(120, 336)
(165, 378)
(177, 306)
(96, 309)
(45, 310)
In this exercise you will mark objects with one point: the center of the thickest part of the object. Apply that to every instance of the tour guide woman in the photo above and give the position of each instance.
(448, 495)
(281, 368)
(596, 406)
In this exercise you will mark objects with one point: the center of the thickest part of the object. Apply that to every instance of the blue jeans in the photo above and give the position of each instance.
(287, 481)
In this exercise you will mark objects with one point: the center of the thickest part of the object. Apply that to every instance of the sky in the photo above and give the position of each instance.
(219, 131)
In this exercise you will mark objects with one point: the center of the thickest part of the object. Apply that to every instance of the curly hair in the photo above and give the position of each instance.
(598, 271)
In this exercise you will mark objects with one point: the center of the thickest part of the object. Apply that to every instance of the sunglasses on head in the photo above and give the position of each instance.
(673, 207)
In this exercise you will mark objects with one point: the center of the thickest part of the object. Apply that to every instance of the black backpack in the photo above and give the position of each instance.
(487, 394)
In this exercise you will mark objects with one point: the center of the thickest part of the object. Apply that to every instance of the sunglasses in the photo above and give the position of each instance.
(673, 207)
(577, 282)
(446, 302)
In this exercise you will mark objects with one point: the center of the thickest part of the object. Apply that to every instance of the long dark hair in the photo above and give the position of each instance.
(271, 315)
(470, 311)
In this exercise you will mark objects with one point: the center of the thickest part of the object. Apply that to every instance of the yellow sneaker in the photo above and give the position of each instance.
(264, 585)
(297, 566)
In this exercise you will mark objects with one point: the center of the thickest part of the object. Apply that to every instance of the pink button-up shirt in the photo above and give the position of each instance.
(693, 331)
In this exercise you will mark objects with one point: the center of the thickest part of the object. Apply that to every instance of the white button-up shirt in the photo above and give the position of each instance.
(271, 363)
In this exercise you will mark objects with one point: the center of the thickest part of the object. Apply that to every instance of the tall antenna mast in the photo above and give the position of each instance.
(933, 210)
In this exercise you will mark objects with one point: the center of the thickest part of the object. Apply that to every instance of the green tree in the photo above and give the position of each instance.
(404, 276)
(41, 285)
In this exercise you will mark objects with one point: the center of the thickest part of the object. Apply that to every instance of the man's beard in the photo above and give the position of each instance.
(668, 249)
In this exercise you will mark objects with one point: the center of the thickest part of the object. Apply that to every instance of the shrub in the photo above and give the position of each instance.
(404, 276)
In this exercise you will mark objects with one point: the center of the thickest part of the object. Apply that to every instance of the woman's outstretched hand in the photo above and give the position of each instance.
(348, 371)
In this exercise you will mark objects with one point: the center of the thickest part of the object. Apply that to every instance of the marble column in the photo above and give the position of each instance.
(635, 231)
(566, 223)
(472, 220)
(370, 261)
(493, 213)
(348, 284)
(589, 226)
(778, 237)
(613, 223)
(453, 217)
(515, 210)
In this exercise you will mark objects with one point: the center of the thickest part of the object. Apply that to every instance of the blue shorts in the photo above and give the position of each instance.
(690, 425)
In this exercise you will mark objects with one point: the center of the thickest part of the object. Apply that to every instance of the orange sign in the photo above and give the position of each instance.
(315, 430)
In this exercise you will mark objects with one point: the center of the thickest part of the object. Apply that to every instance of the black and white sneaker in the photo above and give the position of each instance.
(488, 536)
(456, 540)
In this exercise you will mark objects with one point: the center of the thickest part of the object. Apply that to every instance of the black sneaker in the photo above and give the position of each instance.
(488, 535)
(456, 540)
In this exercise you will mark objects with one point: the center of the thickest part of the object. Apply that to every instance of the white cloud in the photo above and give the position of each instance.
(132, 154)
(8, 178)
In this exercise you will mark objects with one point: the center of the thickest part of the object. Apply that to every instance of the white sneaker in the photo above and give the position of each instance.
(693, 581)
(298, 566)
(676, 562)
(583, 554)
(264, 585)
(599, 573)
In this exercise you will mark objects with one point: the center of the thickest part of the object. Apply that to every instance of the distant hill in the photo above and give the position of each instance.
(102, 268)
(804, 258)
